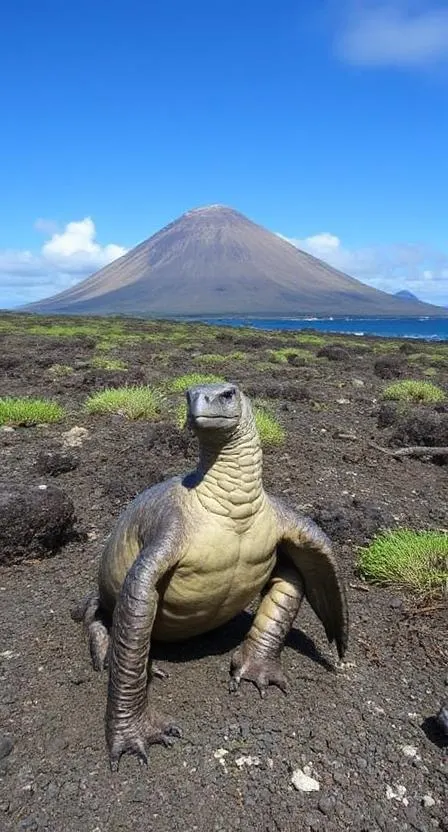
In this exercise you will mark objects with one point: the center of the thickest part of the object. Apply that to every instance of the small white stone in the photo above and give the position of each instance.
(410, 751)
(303, 783)
(7, 429)
(74, 437)
(428, 801)
(42, 487)
(220, 755)
(397, 794)
(244, 760)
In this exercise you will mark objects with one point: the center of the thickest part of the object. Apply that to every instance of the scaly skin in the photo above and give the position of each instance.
(258, 658)
(188, 554)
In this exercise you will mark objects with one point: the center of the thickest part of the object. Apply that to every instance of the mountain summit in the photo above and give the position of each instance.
(215, 261)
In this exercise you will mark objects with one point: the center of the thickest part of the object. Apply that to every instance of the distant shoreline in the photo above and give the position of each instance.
(432, 330)
(422, 328)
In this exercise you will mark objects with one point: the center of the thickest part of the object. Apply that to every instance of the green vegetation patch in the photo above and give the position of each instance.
(435, 356)
(182, 383)
(282, 356)
(26, 411)
(60, 370)
(270, 431)
(409, 390)
(310, 338)
(221, 358)
(108, 363)
(134, 402)
(408, 559)
(386, 346)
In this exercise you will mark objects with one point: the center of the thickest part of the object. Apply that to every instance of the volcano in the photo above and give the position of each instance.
(215, 261)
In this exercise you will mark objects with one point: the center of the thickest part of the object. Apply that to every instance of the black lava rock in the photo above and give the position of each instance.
(389, 414)
(56, 462)
(355, 522)
(389, 366)
(6, 746)
(334, 353)
(442, 718)
(35, 520)
(422, 427)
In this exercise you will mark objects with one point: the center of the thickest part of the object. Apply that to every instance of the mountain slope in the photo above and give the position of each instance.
(406, 294)
(215, 261)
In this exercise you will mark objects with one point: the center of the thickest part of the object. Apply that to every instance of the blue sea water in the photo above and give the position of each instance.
(429, 329)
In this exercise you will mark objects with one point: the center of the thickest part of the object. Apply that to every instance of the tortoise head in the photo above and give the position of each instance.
(215, 407)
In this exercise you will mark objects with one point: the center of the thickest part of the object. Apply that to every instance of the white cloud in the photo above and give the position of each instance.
(65, 258)
(417, 268)
(392, 33)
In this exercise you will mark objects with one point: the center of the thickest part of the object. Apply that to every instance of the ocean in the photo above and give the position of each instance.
(428, 329)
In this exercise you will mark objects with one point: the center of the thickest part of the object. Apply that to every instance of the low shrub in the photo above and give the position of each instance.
(409, 390)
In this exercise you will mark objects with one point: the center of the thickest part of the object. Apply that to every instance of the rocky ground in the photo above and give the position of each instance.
(361, 736)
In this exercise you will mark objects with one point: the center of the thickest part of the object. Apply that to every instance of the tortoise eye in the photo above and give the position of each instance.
(228, 394)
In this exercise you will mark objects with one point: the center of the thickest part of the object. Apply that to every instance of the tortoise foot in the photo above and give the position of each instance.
(89, 612)
(136, 735)
(247, 664)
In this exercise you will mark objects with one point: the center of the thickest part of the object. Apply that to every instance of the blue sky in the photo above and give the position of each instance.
(327, 122)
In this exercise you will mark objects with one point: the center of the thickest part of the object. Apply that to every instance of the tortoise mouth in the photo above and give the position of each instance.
(208, 420)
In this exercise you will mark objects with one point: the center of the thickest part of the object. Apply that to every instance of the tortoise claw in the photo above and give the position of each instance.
(262, 671)
(158, 673)
(135, 737)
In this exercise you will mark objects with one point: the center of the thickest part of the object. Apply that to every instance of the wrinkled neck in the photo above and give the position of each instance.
(230, 471)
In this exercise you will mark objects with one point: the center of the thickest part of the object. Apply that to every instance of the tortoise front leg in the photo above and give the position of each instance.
(130, 725)
(258, 658)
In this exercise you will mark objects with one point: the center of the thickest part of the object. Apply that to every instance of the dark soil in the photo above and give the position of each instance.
(366, 729)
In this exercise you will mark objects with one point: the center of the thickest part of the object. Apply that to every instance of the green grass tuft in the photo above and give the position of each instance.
(408, 559)
(108, 363)
(182, 383)
(281, 356)
(27, 411)
(309, 338)
(221, 358)
(409, 390)
(134, 402)
(269, 428)
(386, 346)
(60, 370)
(433, 356)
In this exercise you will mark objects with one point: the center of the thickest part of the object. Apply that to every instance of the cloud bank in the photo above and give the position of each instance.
(418, 268)
(392, 33)
(67, 257)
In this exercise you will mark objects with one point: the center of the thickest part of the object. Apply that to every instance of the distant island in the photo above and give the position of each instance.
(215, 261)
